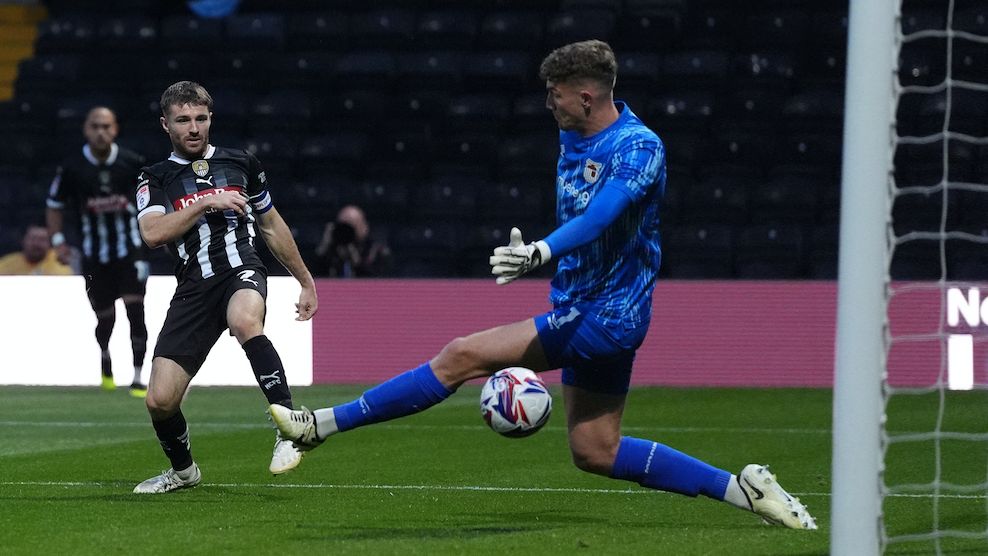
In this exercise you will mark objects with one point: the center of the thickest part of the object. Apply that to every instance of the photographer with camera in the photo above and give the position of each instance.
(347, 250)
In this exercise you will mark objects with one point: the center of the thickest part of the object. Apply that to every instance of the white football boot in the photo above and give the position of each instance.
(168, 481)
(771, 501)
(286, 455)
(297, 425)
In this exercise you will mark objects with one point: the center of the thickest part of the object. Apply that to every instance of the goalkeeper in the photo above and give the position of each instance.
(610, 182)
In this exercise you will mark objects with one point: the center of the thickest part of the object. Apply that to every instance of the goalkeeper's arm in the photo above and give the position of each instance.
(516, 258)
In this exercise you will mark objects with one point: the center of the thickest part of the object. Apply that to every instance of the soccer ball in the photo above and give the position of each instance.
(515, 402)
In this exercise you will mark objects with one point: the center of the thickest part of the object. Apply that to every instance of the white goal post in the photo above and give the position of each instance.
(861, 302)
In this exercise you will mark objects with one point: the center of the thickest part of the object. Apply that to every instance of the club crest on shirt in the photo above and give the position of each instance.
(592, 171)
(201, 168)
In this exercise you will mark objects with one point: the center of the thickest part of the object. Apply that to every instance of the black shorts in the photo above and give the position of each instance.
(197, 315)
(106, 283)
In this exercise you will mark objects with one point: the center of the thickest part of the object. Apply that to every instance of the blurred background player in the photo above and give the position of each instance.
(35, 257)
(347, 249)
(611, 179)
(202, 203)
(97, 186)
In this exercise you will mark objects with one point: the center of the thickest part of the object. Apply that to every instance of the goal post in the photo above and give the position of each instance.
(862, 278)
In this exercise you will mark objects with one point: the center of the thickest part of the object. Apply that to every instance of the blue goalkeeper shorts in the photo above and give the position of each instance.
(591, 355)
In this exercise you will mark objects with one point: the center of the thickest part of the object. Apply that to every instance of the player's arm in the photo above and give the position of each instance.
(279, 240)
(511, 261)
(636, 170)
(158, 228)
(54, 217)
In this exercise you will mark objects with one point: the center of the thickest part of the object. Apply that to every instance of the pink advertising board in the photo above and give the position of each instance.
(703, 333)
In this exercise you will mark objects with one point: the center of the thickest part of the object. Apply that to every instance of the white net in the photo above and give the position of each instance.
(935, 438)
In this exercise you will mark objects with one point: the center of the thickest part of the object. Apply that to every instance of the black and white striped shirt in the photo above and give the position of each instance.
(219, 241)
(102, 197)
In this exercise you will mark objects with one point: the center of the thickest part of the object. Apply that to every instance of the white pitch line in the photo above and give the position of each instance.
(261, 425)
(454, 488)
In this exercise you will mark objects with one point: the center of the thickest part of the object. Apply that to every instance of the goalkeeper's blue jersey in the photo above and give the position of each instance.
(616, 272)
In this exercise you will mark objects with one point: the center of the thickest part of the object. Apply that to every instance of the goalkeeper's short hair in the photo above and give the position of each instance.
(593, 60)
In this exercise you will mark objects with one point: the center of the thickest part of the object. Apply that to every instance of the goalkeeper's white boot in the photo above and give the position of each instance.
(170, 480)
(771, 501)
(296, 425)
(286, 455)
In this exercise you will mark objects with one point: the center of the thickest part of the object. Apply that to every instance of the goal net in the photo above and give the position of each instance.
(934, 442)
(910, 461)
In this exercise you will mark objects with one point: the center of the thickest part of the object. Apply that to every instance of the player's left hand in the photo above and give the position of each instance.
(515, 259)
(143, 270)
(307, 304)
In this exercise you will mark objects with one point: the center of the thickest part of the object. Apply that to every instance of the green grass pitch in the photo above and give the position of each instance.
(439, 482)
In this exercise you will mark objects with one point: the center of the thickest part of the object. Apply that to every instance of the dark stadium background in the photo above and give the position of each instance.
(429, 114)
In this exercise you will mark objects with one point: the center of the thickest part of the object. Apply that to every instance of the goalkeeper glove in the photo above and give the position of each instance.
(516, 258)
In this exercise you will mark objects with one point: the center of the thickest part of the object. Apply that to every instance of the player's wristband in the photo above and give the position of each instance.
(57, 239)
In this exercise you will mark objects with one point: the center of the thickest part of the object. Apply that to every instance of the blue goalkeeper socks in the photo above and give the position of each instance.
(657, 466)
(405, 394)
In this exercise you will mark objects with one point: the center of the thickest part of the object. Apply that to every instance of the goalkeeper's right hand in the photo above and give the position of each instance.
(516, 258)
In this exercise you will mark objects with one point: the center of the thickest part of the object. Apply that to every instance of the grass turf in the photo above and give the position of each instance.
(438, 482)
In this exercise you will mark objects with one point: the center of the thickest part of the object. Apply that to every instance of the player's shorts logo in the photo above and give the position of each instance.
(245, 276)
(592, 171)
(201, 168)
(556, 322)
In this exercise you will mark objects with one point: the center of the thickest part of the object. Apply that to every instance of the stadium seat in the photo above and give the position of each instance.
(182, 32)
(786, 199)
(480, 113)
(468, 149)
(698, 251)
(446, 29)
(429, 69)
(403, 146)
(49, 72)
(239, 69)
(533, 153)
(352, 110)
(504, 71)
(255, 31)
(284, 109)
(916, 260)
(447, 198)
(507, 200)
(335, 153)
(699, 69)
(529, 113)
(366, 68)
(130, 32)
(649, 27)
(317, 31)
(922, 62)
(777, 27)
(686, 110)
(383, 199)
(571, 26)
(756, 103)
(923, 19)
(65, 34)
(767, 68)
(520, 29)
(305, 69)
(822, 259)
(382, 28)
(769, 251)
(719, 199)
(638, 69)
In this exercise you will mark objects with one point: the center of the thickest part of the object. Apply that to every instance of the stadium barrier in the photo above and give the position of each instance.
(704, 333)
